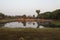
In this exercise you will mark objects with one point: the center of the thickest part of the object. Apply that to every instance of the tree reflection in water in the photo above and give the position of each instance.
(24, 23)
(38, 24)
(21, 25)
(33, 23)
(2, 25)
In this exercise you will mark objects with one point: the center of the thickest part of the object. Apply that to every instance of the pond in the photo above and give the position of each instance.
(22, 25)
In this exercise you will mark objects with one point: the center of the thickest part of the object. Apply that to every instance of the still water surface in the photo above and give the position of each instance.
(22, 25)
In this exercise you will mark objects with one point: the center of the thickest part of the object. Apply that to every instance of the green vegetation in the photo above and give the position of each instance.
(2, 15)
(7, 20)
(29, 34)
(56, 23)
(50, 15)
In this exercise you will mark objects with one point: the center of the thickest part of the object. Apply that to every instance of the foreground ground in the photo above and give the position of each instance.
(29, 34)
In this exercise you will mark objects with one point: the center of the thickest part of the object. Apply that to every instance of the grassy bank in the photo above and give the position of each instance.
(7, 20)
(56, 23)
(29, 34)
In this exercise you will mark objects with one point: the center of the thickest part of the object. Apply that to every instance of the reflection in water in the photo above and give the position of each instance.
(38, 24)
(33, 23)
(14, 25)
(23, 25)
(2, 25)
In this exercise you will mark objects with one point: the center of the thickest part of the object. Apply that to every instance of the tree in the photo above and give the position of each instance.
(24, 16)
(38, 11)
(56, 14)
(47, 15)
(1, 15)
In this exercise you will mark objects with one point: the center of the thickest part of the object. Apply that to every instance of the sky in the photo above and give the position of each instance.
(27, 7)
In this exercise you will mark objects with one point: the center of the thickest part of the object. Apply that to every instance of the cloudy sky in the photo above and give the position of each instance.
(28, 7)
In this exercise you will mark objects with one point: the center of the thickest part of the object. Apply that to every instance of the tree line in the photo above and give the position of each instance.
(50, 15)
(46, 15)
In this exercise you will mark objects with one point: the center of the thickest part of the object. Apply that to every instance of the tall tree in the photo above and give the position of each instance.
(1, 15)
(38, 11)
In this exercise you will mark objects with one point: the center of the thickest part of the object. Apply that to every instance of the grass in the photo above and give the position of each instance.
(7, 20)
(29, 34)
(56, 22)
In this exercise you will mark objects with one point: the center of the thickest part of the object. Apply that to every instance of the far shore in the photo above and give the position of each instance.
(31, 20)
(24, 20)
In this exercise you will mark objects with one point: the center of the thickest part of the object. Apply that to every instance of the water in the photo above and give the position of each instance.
(22, 25)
